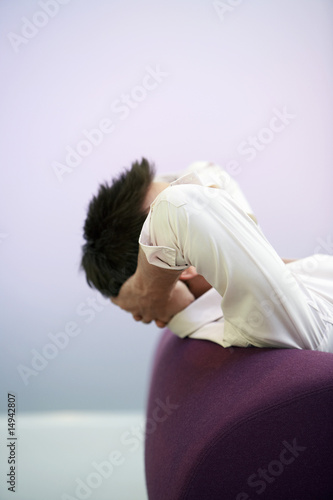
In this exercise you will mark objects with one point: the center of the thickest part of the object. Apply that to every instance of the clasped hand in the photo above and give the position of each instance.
(147, 306)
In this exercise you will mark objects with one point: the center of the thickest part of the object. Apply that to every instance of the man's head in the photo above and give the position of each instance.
(112, 228)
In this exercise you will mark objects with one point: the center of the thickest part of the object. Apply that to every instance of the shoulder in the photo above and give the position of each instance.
(174, 195)
(187, 200)
(181, 194)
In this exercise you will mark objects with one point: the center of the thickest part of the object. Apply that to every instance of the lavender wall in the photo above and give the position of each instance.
(244, 84)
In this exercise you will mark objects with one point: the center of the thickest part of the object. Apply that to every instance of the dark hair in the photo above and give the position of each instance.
(112, 229)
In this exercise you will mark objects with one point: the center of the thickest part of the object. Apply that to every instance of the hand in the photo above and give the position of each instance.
(147, 307)
(128, 297)
(180, 298)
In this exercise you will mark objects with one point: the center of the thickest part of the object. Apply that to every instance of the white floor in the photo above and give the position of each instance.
(75, 456)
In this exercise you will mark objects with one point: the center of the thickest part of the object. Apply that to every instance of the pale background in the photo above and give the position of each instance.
(223, 76)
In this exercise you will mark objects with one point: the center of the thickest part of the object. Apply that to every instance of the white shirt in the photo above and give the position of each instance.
(203, 319)
(264, 302)
(209, 174)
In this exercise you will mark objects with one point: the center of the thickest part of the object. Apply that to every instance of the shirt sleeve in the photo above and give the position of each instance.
(209, 173)
(263, 302)
(212, 174)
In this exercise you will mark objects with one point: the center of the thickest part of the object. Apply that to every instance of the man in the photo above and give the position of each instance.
(114, 223)
(202, 220)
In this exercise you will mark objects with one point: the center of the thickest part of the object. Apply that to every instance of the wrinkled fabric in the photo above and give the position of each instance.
(264, 302)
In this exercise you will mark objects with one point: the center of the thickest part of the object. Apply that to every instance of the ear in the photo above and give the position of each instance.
(188, 273)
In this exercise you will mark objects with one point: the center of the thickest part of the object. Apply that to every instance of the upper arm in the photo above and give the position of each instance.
(207, 229)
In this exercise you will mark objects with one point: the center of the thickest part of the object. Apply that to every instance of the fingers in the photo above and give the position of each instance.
(160, 324)
(188, 273)
(137, 317)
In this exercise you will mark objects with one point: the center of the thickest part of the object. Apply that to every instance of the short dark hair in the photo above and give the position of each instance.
(112, 228)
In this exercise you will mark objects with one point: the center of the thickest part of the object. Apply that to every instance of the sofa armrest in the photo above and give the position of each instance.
(239, 423)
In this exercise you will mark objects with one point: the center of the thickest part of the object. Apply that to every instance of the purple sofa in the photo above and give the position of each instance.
(239, 424)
